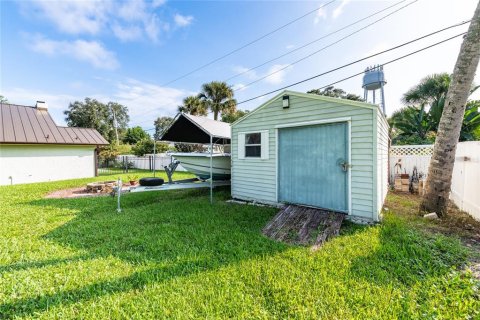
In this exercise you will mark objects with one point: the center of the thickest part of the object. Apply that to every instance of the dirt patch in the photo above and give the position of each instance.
(80, 192)
(456, 223)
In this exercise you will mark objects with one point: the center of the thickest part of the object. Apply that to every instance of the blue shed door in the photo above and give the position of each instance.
(312, 166)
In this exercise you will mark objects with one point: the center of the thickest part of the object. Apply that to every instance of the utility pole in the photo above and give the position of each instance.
(115, 124)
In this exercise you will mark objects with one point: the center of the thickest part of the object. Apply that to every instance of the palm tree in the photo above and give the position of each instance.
(439, 179)
(218, 97)
(193, 105)
(411, 125)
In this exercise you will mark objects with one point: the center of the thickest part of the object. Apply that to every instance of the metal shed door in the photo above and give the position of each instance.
(313, 167)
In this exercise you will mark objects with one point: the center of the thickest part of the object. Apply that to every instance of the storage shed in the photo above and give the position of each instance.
(34, 149)
(315, 151)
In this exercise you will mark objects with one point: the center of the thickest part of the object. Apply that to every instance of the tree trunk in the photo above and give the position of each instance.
(215, 115)
(439, 178)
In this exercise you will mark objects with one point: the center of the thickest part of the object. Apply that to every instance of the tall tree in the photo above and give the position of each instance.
(193, 105)
(93, 114)
(231, 117)
(161, 123)
(439, 177)
(331, 91)
(135, 134)
(218, 97)
(3, 99)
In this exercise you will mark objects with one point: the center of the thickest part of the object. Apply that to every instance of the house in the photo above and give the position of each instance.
(315, 151)
(34, 149)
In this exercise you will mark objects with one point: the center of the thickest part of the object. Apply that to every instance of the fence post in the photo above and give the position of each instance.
(150, 163)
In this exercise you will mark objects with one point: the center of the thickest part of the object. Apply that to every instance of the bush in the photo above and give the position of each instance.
(146, 146)
(111, 151)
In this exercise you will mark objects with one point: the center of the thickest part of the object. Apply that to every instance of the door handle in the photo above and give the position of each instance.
(344, 165)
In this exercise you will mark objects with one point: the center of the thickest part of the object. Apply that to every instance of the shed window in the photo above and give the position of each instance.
(253, 145)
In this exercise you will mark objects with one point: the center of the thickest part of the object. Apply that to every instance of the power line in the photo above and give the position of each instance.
(351, 63)
(351, 76)
(356, 74)
(327, 46)
(314, 41)
(248, 44)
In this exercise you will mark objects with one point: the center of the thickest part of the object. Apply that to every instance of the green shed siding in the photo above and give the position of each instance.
(255, 179)
(382, 159)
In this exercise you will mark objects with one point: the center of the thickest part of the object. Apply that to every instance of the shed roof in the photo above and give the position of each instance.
(194, 129)
(29, 125)
(310, 96)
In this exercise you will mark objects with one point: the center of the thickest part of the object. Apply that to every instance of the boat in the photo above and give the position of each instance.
(198, 163)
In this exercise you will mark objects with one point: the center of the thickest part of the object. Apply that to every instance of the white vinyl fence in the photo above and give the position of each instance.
(466, 172)
(146, 162)
(466, 178)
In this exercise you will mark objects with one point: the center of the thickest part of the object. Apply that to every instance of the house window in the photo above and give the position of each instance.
(253, 145)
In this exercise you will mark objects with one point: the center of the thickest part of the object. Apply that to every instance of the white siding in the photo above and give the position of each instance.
(382, 160)
(255, 179)
(39, 163)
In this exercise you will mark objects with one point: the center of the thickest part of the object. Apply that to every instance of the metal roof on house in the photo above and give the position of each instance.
(31, 125)
(194, 129)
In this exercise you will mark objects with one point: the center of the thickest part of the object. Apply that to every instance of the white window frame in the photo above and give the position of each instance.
(264, 145)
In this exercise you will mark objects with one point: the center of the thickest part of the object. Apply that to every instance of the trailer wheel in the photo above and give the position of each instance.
(151, 182)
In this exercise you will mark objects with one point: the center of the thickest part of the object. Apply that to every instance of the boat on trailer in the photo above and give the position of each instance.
(198, 163)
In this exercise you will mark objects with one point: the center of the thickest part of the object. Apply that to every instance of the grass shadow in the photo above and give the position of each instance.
(406, 255)
(167, 234)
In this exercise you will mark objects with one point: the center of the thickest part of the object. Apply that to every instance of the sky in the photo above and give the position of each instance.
(134, 52)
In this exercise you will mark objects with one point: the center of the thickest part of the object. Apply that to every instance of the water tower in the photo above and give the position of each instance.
(373, 80)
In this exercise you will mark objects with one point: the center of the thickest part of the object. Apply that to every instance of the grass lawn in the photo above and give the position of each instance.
(173, 255)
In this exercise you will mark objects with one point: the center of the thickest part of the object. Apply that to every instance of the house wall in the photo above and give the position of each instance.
(382, 160)
(39, 163)
(255, 179)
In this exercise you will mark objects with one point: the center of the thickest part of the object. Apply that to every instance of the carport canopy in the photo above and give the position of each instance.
(193, 129)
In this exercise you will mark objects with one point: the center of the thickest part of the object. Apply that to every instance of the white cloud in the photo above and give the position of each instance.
(290, 46)
(158, 3)
(127, 20)
(133, 10)
(127, 33)
(152, 27)
(339, 10)
(238, 87)
(147, 101)
(75, 17)
(182, 21)
(92, 52)
(321, 15)
(279, 72)
(246, 72)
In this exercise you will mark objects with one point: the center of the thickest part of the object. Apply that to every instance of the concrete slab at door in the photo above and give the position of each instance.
(310, 168)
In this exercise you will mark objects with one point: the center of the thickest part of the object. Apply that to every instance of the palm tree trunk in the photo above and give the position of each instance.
(439, 178)
(215, 115)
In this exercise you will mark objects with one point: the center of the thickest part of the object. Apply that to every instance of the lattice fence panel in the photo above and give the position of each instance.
(412, 150)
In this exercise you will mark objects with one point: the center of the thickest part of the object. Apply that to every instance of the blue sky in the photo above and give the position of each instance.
(127, 51)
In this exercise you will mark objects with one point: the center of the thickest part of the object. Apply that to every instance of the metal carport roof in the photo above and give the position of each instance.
(193, 129)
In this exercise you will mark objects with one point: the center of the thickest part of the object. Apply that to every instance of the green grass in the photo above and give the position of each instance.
(173, 255)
